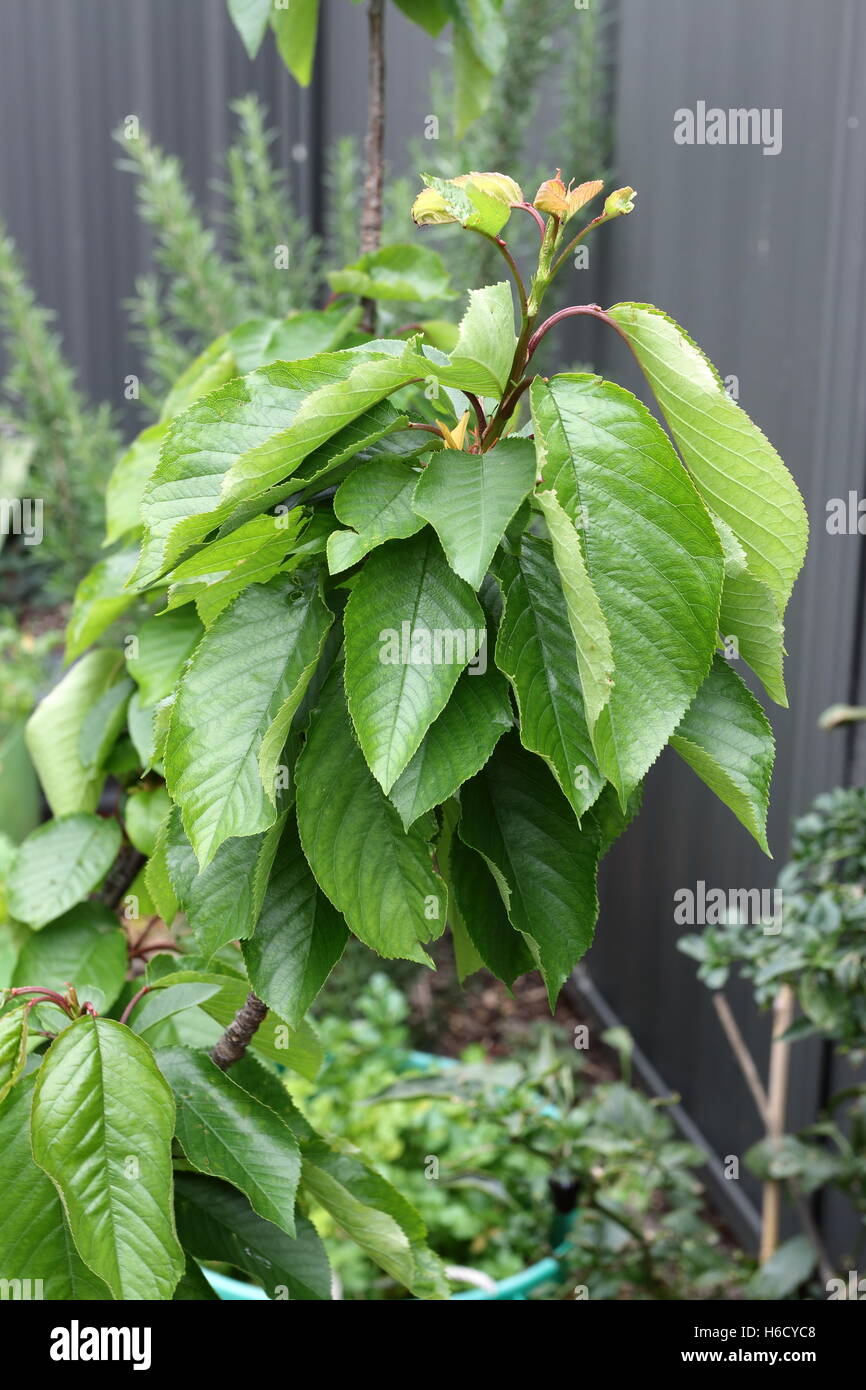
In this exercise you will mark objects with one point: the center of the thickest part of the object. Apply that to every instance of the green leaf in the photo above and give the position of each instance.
(411, 627)
(102, 1126)
(412, 273)
(192, 1287)
(254, 432)
(482, 357)
(456, 746)
(586, 620)
(474, 901)
(652, 555)
(380, 878)
(295, 25)
(735, 467)
(535, 649)
(374, 1215)
(59, 864)
(250, 18)
(13, 1048)
(103, 723)
(259, 341)
(298, 938)
(749, 614)
(222, 902)
(127, 483)
(164, 643)
(469, 499)
(145, 810)
(250, 666)
(227, 1133)
(470, 205)
(85, 947)
(35, 1243)
(217, 1223)
(725, 737)
(478, 55)
(376, 501)
(252, 554)
(786, 1269)
(210, 370)
(54, 731)
(99, 599)
(167, 1002)
(515, 816)
(431, 15)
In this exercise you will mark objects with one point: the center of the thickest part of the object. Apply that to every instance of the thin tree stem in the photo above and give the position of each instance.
(374, 148)
(145, 989)
(777, 1097)
(744, 1057)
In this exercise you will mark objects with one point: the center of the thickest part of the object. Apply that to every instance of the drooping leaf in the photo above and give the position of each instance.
(99, 599)
(734, 465)
(749, 614)
(298, 937)
(379, 877)
(102, 1125)
(85, 947)
(376, 501)
(54, 731)
(457, 744)
(222, 902)
(412, 273)
(227, 1133)
(250, 18)
(535, 649)
(514, 815)
(476, 904)
(59, 864)
(216, 1222)
(251, 664)
(469, 499)
(103, 723)
(411, 627)
(591, 636)
(295, 24)
(652, 555)
(35, 1243)
(374, 1215)
(725, 737)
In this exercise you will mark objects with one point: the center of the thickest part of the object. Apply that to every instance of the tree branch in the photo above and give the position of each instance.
(237, 1037)
(374, 146)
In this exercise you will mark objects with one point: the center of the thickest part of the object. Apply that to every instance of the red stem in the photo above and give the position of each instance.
(593, 310)
(145, 989)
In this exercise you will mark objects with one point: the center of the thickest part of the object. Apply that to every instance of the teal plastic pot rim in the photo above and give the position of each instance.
(512, 1289)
